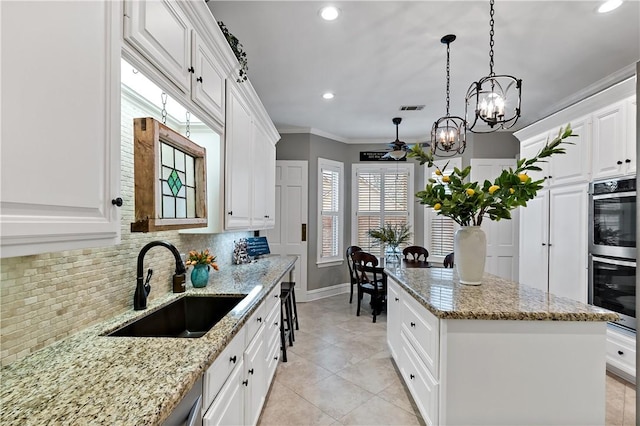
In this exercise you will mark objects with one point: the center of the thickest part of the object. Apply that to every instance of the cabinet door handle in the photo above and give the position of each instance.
(620, 353)
(117, 202)
(230, 213)
(627, 161)
(413, 324)
(275, 357)
(199, 79)
(544, 244)
(251, 371)
(191, 70)
(618, 162)
(550, 244)
(259, 319)
(397, 300)
(245, 382)
(275, 323)
(411, 376)
(233, 359)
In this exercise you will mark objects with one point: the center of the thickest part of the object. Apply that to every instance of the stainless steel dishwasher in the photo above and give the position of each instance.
(189, 411)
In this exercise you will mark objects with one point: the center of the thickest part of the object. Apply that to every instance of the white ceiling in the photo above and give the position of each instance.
(380, 55)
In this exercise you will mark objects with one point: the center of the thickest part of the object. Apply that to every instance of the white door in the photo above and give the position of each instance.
(502, 236)
(286, 238)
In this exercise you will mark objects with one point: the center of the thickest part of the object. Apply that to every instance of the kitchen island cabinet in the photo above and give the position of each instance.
(498, 353)
(91, 378)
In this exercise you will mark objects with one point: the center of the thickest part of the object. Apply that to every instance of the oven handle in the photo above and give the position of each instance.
(614, 195)
(614, 261)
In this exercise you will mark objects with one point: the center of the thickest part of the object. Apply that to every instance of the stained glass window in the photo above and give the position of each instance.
(177, 179)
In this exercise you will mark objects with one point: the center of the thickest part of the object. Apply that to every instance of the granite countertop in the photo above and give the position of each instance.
(440, 291)
(90, 379)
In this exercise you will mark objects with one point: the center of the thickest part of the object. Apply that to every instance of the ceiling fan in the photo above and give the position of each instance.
(398, 149)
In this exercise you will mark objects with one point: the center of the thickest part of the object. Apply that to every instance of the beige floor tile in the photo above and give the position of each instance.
(397, 394)
(629, 412)
(377, 411)
(298, 372)
(335, 396)
(334, 358)
(285, 407)
(373, 375)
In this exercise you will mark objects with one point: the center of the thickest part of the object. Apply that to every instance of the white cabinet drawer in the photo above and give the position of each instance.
(228, 408)
(421, 384)
(255, 321)
(216, 375)
(273, 299)
(621, 352)
(421, 328)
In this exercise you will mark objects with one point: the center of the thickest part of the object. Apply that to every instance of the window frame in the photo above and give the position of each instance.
(429, 213)
(386, 167)
(336, 167)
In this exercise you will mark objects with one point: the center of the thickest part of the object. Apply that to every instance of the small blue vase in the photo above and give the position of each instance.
(200, 275)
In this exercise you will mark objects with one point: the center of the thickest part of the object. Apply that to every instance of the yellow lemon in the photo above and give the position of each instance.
(438, 172)
(445, 179)
(437, 206)
(470, 192)
(523, 177)
(511, 190)
(493, 188)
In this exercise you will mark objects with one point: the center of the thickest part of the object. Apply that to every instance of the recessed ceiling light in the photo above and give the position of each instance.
(328, 95)
(609, 5)
(329, 13)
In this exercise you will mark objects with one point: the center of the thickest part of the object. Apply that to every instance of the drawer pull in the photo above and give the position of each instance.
(259, 319)
(245, 382)
(620, 353)
(397, 300)
(413, 324)
(618, 162)
(275, 357)
(233, 359)
(251, 371)
(411, 376)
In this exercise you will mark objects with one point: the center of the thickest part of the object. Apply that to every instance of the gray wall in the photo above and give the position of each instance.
(310, 147)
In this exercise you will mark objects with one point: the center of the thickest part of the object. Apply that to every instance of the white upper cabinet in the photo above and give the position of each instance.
(60, 165)
(632, 107)
(207, 79)
(264, 180)
(238, 160)
(529, 149)
(573, 166)
(609, 141)
(160, 31)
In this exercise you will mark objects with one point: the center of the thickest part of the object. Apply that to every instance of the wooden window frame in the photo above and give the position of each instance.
(148, 134)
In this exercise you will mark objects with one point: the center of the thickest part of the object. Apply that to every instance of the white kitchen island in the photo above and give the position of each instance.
(498, 353)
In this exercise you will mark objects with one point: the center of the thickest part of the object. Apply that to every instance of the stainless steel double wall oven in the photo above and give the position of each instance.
(612, 247)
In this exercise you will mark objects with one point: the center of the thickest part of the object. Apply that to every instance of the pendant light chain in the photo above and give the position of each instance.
(491, 41)
(448, 68)
(163, 97)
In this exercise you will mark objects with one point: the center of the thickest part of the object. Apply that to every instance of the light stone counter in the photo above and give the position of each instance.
(91, 379)
(439, 290)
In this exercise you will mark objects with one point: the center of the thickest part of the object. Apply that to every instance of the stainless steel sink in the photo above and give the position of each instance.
(191, 316)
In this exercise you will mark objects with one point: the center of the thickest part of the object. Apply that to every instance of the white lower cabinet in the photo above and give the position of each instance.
(465, 371)
(621, 353)
(236, 384)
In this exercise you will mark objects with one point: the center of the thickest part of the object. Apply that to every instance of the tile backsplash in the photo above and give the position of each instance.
(47, 297)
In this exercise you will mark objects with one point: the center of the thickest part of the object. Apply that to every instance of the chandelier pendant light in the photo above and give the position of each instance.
(448, 134)
(493, 102)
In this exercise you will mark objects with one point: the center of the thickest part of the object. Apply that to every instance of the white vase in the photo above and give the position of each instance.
(470, 252)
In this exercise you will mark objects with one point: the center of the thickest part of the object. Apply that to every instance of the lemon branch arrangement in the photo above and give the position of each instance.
(468, 203)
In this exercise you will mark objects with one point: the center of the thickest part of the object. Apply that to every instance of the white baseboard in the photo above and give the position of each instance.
(334, 290)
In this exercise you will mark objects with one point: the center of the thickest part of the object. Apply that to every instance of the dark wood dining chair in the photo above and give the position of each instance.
(448, 261)
(371, 280)
(415, 253)
(352, 268)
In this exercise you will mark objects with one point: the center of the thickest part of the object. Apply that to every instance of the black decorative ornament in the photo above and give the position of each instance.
(238, 51)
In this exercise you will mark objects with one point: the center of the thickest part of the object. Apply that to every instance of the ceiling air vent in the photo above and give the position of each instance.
(411, 107)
